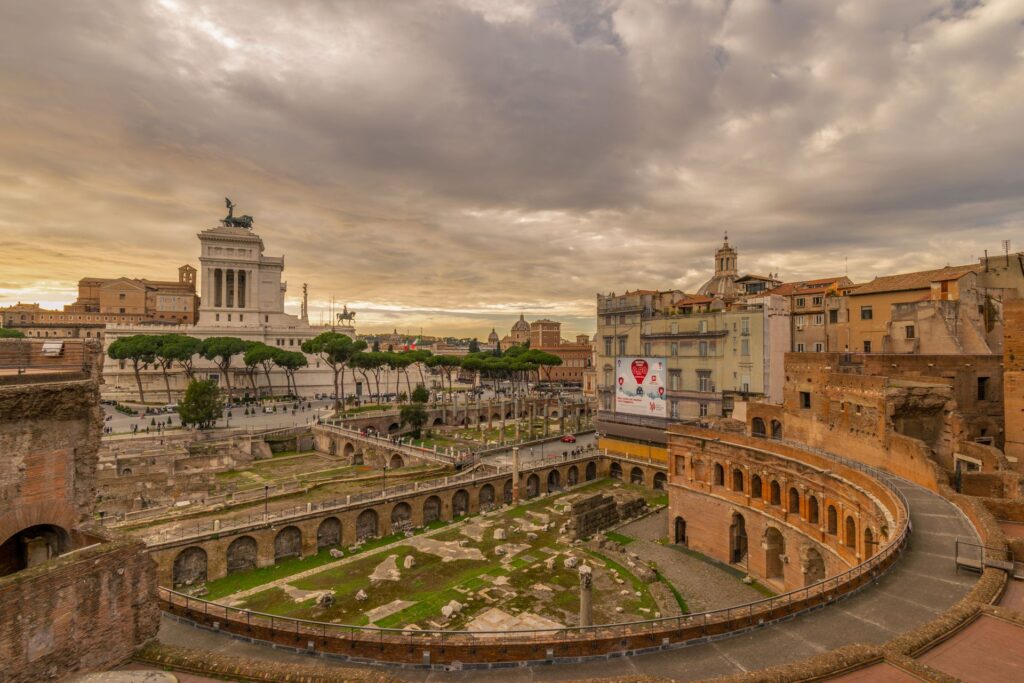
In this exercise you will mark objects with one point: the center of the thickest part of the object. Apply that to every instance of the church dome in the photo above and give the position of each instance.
(521, 325)
(492, 338)
(723, 284)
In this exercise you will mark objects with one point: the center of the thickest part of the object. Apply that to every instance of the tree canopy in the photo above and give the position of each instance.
(7, 333)
(140, 349)
(202, 404)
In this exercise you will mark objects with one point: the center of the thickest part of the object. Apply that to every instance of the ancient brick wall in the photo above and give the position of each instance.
(84, 612)
(49, 437)
(1013, 381)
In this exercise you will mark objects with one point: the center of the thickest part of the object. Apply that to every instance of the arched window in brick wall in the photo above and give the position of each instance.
(794, 500)
(737, 479)
(812, 510)
(833, 520)
(719, 475)
(775, 492)
(851, 532)
(755, 486)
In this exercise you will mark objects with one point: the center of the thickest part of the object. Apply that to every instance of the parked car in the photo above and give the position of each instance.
(568, 438)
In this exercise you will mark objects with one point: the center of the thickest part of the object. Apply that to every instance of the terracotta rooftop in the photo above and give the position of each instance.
(910, 281)
(804, 286)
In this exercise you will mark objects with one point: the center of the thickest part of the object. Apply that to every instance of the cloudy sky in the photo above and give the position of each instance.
(446, 165)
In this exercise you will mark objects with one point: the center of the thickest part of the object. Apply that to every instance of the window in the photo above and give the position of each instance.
(745, 325)
(819, 319)
(865, 313)
(703, 348)
(719, 475)
(816, 300)
(675, 414)
(704, 380)
(674, 379)
(867, 346)
(673, 328)
(982, 388)
(702, 409)
(647, 348)
(744, 347)
(622, 319)
(805, 400)
(680, 465)
(266, 318)
(216, 316)
(800, 348)
(674, 348)
(910, 331)
(607, 346)
(241, 318)
(801, 302)
(622, 346)
(818, 347)
(608, 320)
(608, 376)
(833, 315)
(800, 322)
(120, 296)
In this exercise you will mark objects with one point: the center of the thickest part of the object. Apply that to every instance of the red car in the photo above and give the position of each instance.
(568, 438)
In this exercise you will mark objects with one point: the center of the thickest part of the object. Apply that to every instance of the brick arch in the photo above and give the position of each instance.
(431, 509)
(242, 554)
(572, 476)
(287, 543)
(190, 567)
(328, 533)
(401, 514)
(486, 496)
(590, 471)
(460, 503)
(367, 524)
(636, 476)
(50, 513)
(506, 491)
(532, 486)
(554, 480)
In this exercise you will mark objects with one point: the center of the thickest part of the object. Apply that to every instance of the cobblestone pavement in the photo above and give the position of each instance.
(704, 586)
(923, 583)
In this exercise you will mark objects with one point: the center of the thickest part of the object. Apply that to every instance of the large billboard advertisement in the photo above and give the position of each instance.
(640, 386)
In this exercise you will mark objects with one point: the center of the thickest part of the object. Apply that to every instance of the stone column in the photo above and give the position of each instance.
(515, 474)
(586, 595)
(223, 288)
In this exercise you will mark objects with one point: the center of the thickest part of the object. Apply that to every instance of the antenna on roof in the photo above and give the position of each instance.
(1006, 250)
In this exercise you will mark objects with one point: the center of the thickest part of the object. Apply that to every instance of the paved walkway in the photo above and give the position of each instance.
(704, 586)
(923, 583)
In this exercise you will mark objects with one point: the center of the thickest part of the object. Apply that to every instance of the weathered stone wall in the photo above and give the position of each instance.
(592, 514)
(83, 612)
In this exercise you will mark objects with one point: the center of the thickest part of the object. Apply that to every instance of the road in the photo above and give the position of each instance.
(120, 423)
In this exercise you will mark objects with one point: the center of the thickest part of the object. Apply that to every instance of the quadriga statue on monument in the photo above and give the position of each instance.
(235, 222)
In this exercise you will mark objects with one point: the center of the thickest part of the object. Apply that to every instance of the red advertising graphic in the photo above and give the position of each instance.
(639, 369)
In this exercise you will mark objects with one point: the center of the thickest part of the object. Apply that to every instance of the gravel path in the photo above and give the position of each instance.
(703, 585)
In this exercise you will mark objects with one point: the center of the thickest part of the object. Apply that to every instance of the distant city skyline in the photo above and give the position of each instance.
(447, 166)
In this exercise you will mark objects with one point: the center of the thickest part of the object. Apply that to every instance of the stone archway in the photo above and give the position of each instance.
(437, 422)
(395, 462)
(615, 471)
(401, 515)
(774, 549)
(869, 543)
(367, 525)
(287, 543)
(348, 451)
(636, 476)
(660, 481)
(241, 554)
(813, 566)
(394, 427)
(431, 509)
(506, 492)
(737, 539)
(189, 567)
(486, 497)
(590, 473)
(32, 546)
(680, 531)
(328, 533)
(757, 428)
(532, 486)
(460, 503)
(572, 477)
(554, 480)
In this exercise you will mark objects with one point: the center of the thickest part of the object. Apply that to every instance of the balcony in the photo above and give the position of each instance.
(684, 334)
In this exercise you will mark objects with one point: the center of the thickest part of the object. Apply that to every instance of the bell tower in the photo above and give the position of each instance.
(725, 259)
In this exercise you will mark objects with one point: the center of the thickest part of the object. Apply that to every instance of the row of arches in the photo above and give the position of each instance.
(773, 543)
(637, 476)
(757, 428)
(805, 505)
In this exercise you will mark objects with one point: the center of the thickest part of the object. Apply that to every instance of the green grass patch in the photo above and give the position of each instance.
(241, 581)
(680, 600)
(621, 539)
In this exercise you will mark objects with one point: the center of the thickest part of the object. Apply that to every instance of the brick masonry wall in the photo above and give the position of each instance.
(85, 612)
(1013, 380)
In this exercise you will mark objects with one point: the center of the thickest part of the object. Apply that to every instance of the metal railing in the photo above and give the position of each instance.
(605, 637)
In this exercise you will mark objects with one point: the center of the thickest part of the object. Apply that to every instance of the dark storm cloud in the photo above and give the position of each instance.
(451, 164)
